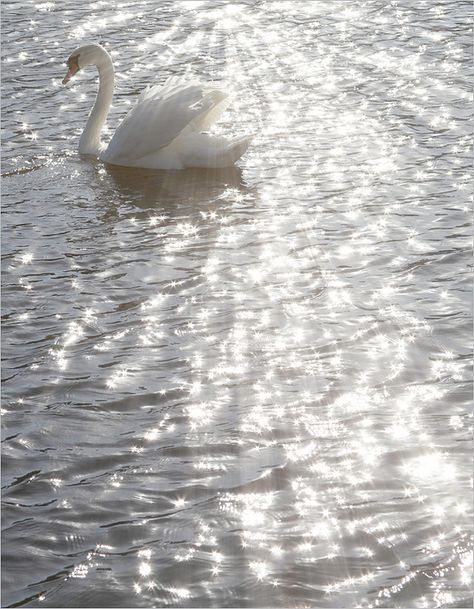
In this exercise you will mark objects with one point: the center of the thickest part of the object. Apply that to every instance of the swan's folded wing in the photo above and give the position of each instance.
(158, 117)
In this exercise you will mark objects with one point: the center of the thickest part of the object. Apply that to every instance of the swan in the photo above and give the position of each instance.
(164, 129)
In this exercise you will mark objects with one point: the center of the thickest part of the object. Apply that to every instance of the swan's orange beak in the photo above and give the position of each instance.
(73, 65)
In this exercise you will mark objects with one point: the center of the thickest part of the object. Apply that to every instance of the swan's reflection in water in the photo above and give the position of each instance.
(148, 188)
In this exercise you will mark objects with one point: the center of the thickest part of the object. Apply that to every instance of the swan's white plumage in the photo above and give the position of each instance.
(157, 118)
(163, 130)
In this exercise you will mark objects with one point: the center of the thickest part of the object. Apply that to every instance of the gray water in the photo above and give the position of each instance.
(251, 387)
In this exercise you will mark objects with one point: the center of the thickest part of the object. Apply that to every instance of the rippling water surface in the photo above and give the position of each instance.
(248, 387)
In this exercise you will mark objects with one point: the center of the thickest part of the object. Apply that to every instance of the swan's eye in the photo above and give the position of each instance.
(73, 67)
(73, 62)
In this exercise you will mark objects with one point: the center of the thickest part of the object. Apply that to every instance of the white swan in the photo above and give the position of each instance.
(163, 130)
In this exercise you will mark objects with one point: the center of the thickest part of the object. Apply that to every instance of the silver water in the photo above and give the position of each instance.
(245, 388)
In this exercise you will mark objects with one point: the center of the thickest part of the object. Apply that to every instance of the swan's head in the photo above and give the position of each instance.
(87, 55)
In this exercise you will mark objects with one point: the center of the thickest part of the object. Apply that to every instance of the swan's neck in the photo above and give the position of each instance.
(90, 138)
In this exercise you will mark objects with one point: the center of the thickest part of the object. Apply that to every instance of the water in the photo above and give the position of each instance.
(245, 388)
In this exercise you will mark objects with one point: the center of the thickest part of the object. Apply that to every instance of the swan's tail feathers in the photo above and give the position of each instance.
(237, 147)
(211, 151)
